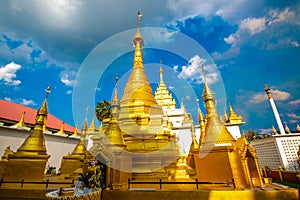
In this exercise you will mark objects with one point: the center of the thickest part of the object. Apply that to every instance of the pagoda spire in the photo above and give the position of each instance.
(114, 133)
(138, 37)
(215, 132)
(21, 122)
(115, 102)
(138, 43)
(138, 90)
(161, 72)
(35, 142)
(194, 144)
(275, 111)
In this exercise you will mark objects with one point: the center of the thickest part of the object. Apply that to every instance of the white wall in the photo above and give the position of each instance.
(57, 146)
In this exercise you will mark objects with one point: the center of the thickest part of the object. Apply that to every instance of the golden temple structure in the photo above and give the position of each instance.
(134, 142)
(137, 140)
(220, 157)
(29, 161)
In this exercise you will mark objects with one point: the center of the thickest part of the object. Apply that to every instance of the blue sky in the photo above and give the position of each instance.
(244, 44)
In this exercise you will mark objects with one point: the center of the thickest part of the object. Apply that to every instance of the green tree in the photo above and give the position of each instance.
(251, 134)
(102, 110)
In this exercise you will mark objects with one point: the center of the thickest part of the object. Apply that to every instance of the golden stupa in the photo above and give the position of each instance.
(220, 157)
(134, 143)
(30, 160)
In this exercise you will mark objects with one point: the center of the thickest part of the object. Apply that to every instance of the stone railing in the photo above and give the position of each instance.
(68, 194)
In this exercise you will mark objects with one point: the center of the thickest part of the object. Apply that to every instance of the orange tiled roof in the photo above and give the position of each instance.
(10, 111)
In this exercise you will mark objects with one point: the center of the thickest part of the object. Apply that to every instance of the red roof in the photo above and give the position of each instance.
(10, 111)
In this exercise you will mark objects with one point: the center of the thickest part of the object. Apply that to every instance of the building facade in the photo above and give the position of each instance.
(278, 150)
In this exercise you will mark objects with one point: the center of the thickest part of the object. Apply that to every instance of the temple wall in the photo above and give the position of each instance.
(215, 166)
(57, 146)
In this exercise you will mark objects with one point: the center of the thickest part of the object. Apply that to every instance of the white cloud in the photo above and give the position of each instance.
(154, 37)
(248, 26)
(231, 53)
(193, 69)
(295, 102)
(8, 73)
(280, 95)
(293, 115)
(7, 99)
(295, 43)
(66, 80)
(258, 98)
(183, 9)
(276, 94)
(253, 25)
(26, 102)
(175, 68)
(277, 16)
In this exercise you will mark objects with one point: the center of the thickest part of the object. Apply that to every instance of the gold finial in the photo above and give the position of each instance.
(139, 19)
(194, 144)
(138, 39)
(287, 129)
(21, 122)
(116, 79)
(48, 91)
(231, 112)
(298, 127)
(161, 71)
(225, 116)
(207, 93)
(274, 130)
(268, 91)
(75, 134)
(61, 130)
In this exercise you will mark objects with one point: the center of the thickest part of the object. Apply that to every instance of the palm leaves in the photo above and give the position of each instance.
(102, 110)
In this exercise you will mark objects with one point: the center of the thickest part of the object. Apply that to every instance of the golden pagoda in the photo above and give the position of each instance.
(220, 157)
(76, 162)
(139, 115)
(29, 161)
(134, 143)
(162, 94)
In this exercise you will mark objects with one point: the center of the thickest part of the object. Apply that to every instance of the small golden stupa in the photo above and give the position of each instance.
(220, 157)
(30, 160)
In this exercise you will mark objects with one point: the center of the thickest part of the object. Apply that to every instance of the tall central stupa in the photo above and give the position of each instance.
(139, 115)
(134, 143)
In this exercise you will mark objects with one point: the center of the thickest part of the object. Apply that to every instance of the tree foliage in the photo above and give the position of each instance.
(251, 134)
(102, 110)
